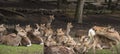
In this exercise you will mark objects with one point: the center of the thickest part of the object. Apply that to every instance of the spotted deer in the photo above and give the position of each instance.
(47, 19)
(69, 26)
(70, 42)
(51, 18)
(42, 28)
(37, 37)
(2, 29)
(17, 27)
(110, 36)
(28, 28)
(61, 38)
(11, 40)
(48, 32)
(25, 40)
(50, 42)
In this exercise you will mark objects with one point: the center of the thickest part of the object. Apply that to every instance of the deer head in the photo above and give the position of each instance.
(51, 17)
(22, 33)
(48, 25)
(2, 28)
(48, 33)
(42, 26)
(36, 32)
(37, 26)
(17, 27)
(60, 32)
(69, 25)
(28, 28)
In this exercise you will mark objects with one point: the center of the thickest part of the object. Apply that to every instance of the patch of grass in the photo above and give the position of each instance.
(34, 49)
(106, 51)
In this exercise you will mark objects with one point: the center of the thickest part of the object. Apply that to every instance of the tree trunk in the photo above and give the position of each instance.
(59, 2)
(79, 11)
(106, 1)
(109, 4)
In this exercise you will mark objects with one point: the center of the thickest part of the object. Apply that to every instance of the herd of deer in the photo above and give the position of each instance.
(59, 41)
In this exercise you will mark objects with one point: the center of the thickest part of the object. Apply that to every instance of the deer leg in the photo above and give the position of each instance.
(94, 52)
(28, 41)
(94, 45)
(116, 49)
(41, 41)
(112, 48)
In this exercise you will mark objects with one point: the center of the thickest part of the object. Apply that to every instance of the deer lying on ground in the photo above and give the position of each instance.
(48, 36)
(16, 39)
(61, 38)
(50, 42)
(2, 29)
(42, 28)
(48, 32)
(37, 39)
(23, 34)
(34, 35)
(11, 39)
(58, 50)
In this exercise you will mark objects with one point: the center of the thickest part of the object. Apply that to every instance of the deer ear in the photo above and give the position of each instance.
(29, 25)
(60, 29)
(52, 16)
(18, 25)
(36, 24)
(94, 27)
(2, 25)
(43, 24)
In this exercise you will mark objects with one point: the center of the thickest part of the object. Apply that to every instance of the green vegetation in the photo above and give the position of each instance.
(34, 49)
(106, 51)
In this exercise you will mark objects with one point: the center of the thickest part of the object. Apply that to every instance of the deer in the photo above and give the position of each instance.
(70, 42)
(28, 28)
(47, 19)
(37, 38)
(110, 36)
(25, 40)
(50, 42)
(17, 27)
(61, 38)
(48, 34)
(58, 50)
(11, 39)
(2, 29)
(51, 18)
(42, 28)
(34, 35)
